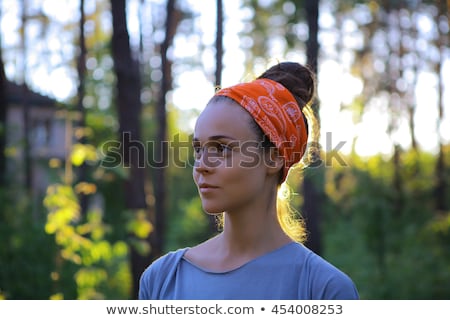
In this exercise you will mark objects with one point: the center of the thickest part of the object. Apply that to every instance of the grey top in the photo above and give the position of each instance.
(290, 272)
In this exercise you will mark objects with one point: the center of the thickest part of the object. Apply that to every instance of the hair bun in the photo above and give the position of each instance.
(298, 79)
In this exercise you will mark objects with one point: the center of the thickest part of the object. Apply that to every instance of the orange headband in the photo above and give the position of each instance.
(276, 111)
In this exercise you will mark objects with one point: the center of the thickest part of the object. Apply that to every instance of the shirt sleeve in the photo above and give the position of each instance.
(147, 281)
(327, 282)
(339, 287)
(155, 279)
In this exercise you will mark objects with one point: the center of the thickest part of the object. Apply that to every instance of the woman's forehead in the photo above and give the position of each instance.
(224, 118)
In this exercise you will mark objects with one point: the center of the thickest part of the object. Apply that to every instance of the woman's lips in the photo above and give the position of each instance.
(205, 188)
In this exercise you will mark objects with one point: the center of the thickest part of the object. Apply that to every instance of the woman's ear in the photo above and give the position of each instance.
(274, 161)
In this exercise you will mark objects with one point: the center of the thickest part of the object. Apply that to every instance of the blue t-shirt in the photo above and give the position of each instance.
(290, 272)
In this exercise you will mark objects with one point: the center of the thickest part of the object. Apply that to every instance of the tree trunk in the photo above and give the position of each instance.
(81, 123)
(129, 112)
(312, 194)
(219, 43)
(441, 183)
(25, 107)
(161, 144)
(3, 114)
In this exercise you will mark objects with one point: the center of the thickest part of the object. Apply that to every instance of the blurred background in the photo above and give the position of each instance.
(98, 101)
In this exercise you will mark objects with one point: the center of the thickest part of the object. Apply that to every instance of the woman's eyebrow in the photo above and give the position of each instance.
(216, 137)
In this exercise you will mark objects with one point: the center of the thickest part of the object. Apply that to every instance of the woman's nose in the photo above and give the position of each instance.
(200, 165)
(205, 161)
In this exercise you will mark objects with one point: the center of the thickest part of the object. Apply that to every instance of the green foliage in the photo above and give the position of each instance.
(27, 253)
(82, 153)
(393, 244)
(82, 242)
(190, 227)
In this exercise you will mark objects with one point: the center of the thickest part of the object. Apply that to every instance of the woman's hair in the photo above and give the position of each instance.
(300, 81)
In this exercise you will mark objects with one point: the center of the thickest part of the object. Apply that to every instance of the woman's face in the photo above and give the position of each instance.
(229, 170)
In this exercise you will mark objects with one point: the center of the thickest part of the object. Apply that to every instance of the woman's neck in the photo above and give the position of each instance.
(251, 234)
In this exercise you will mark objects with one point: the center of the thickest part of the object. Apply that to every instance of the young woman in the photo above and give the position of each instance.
(245, 141)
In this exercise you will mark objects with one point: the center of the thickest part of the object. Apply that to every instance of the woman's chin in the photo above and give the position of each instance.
(212, 210)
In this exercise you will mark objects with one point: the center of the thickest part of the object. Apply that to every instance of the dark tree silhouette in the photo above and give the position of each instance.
(441, 186)
(81, 69)
(219, 42)
(312, 192)
(3, 112)
(173, 17)
(129, 111)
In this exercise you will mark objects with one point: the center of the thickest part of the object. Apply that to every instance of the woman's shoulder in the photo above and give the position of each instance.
(154, 276)
(165, 261)
(327, 281)
(309, 259)
(203, 254)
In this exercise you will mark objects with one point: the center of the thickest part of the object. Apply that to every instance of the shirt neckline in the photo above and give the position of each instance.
(277, 250)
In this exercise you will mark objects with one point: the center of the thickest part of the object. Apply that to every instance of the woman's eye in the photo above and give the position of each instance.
(197, 149)
(211, 149)
(220, 149)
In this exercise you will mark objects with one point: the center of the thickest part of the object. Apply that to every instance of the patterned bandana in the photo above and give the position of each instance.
(277, 113)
